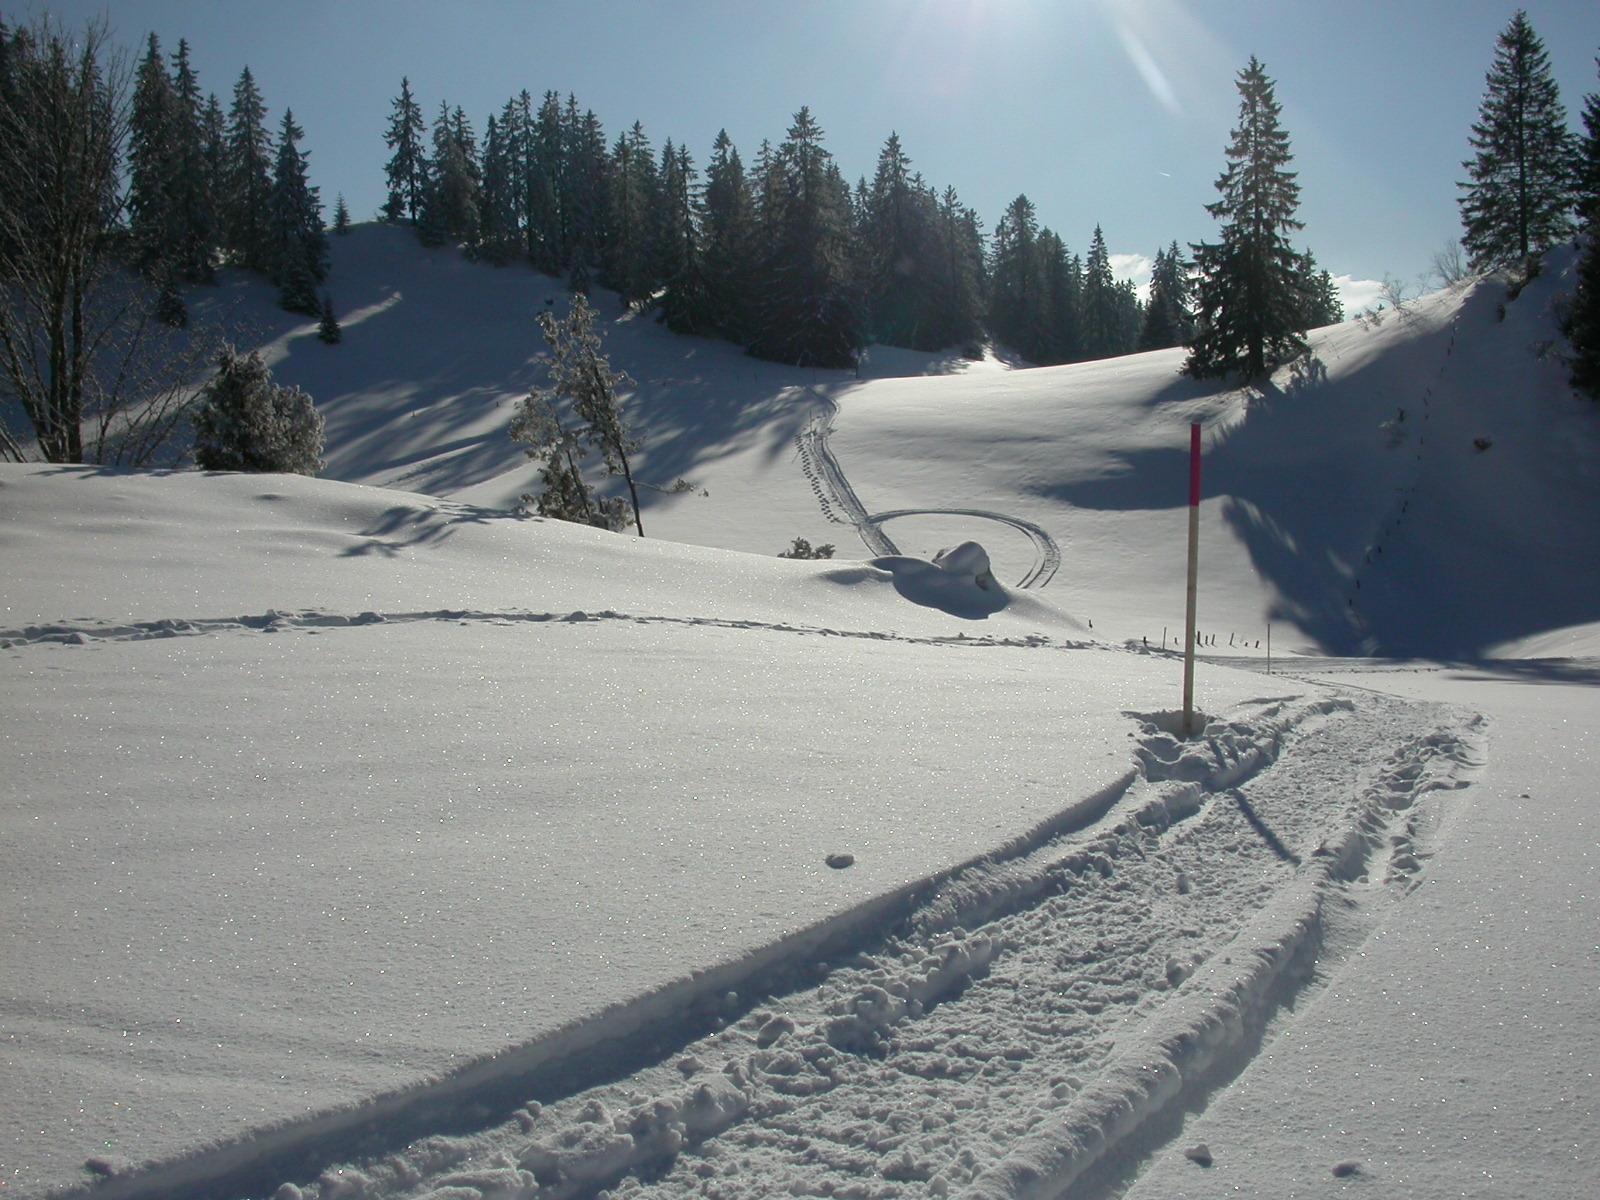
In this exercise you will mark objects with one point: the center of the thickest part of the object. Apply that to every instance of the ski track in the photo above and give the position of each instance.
(86, 632)
(833, 491)
(1000, 1034)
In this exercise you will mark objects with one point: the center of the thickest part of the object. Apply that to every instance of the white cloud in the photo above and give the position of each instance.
(1358, 295)
(1136, 267)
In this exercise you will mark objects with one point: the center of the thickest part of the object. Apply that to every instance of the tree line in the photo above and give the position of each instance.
(783, 256)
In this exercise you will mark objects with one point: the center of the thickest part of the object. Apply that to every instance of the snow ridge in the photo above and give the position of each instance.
(273, 621)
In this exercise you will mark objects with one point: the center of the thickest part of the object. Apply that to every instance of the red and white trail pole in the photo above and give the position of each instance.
(1194, 572)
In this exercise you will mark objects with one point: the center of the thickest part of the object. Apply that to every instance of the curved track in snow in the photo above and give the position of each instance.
(836, 496)
(1048, 553)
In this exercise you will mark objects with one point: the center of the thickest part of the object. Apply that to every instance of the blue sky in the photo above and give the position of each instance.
(1113, 112)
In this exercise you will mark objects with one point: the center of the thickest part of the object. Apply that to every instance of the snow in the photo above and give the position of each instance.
(368, 839)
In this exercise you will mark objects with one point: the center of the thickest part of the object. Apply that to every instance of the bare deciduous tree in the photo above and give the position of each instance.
(82, 356)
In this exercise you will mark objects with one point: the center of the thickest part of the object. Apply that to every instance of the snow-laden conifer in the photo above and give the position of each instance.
(576, 413)
(245, 422)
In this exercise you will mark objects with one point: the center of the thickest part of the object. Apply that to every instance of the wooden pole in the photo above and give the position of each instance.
(1194, 575)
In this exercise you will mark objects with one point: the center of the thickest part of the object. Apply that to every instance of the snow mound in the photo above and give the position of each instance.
(968, 559)
(957, 581)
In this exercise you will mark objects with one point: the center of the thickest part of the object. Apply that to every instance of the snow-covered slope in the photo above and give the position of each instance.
(1419, 486)
(361, 838)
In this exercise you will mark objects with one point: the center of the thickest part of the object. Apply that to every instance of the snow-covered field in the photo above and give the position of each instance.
(365, 839)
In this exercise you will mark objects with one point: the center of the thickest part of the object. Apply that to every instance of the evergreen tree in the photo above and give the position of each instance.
(1016, 309)
(1518, 199)
(341, 216)
(678, 256)
(451, 199)
(298, 246)
(152, 162)
(894, 251)
(1251, 309)
(632, 180)
(956, 297)
(586, 195)
(407, 169)
(191, 191)
(1322, 303)
(248, 161)
(1587, 189)
(1583, 320)
(807, 311)
(499, 236)
(727, 223)
(246, 422)
(542, 170)
(214, 156)
(582, 382)
(1057, 321)
(328, 327)
(1102, 306)
(1167, 319)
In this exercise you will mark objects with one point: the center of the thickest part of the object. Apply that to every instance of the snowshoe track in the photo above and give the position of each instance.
(1093, 979)
(834, 492)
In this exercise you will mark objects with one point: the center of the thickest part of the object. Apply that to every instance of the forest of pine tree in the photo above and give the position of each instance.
(205, 190)
(778, 252)
(781, 256)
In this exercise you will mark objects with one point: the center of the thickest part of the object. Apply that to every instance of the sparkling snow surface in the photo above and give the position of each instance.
(357, 842)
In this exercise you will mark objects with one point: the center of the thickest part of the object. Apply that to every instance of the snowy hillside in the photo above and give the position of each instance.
(1348, 504)
(361, 839)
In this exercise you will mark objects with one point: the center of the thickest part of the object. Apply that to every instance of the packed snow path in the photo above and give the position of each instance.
(835, 495)
(1025, 1029)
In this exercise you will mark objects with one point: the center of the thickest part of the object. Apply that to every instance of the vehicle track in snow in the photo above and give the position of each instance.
(1029, 1021)
(835, 495)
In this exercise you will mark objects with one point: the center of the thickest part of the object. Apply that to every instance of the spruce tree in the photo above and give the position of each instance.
(499, 237)
(627, 243)
(1058, 319)
(1167, 319)
(191, 192)
(893, 238)
(1587, 188)
(1251, 313)
(1517, 200)
(248, 178)
(341, 216)
(1322, 303)
(1583, 321)
(152, 162)
(679, 260)
(407, 168)
(956, 298)
(1016, 309)
(328, 326)
(807, 313)
(727, 222)
(1102, 306)
(298, 246)
(542, 169)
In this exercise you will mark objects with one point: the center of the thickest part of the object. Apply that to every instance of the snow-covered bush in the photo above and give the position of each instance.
(800, 548)
(246, 422)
